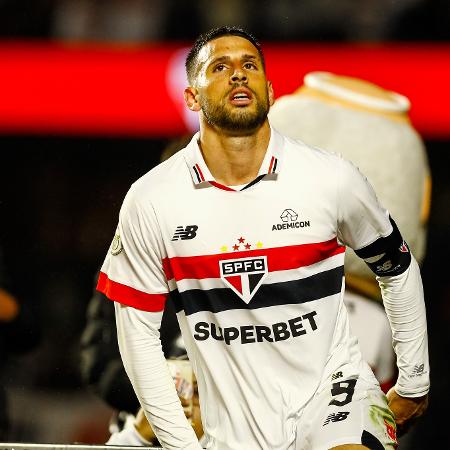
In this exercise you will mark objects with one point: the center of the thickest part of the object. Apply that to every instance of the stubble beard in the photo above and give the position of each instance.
(240, 120)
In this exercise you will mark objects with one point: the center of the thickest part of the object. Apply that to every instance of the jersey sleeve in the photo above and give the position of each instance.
(367, 228)
(132, 273)
(361, 219)
(143, 359)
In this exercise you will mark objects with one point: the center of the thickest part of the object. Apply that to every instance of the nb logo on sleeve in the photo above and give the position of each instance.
(336, 417)
(184, 233)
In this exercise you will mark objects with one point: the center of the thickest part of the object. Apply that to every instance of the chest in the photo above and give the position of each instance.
(270, 215)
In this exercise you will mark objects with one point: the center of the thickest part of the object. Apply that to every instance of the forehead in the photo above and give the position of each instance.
(232, 46)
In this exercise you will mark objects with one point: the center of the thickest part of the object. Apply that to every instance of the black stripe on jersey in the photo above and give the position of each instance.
(370, 441)
(383, 244)
(396, 255)
(304, 290)
(256, 180)
(196, 173)
(274, 169)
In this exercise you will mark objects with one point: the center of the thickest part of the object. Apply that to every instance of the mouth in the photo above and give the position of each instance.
(240, 97)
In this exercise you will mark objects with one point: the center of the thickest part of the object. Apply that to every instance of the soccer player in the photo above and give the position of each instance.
(246, 230)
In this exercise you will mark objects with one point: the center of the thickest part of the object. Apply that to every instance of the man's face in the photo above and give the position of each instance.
(233, 92)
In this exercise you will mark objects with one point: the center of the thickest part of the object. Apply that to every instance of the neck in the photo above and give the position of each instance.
(234, 159)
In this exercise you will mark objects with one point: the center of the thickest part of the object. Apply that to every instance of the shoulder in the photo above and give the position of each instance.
(301, 148)
(159, 181)
(313, 159)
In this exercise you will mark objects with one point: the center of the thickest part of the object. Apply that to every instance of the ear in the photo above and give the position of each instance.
(270, 92)
(191, 99)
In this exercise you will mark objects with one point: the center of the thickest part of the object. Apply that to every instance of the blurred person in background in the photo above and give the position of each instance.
(101, 366)
(19, 333)
(230, 92)
(369, 126)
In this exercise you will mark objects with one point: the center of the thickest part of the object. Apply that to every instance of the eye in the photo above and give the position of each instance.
(219, 68)
(250, 65)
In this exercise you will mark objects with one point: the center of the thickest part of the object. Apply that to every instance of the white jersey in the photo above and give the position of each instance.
(256, 276)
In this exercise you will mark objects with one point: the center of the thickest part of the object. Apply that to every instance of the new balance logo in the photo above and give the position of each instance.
(418, 370)
(184, 233)
(336, 375)
(336, 417)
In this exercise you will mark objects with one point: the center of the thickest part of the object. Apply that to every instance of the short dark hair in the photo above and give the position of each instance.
(216, 33)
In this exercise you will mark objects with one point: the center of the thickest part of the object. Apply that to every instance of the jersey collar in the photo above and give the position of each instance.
(202, 176)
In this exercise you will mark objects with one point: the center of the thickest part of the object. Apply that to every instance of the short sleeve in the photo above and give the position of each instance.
(361, 218)
(132, 273)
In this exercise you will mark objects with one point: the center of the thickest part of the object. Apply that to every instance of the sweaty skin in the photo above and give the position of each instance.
(227, 65)
(406, 410)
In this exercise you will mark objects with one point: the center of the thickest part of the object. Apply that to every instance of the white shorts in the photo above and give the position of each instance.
(348, 411)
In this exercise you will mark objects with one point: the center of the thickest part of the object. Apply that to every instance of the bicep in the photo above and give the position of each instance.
(361, 218)
(133, 271)
(366, 227)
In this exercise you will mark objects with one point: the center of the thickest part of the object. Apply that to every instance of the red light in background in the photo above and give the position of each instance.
(106, 90)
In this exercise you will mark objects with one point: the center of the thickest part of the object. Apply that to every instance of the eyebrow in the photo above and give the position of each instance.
(227, 58)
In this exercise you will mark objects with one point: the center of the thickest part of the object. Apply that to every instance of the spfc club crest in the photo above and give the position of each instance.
(244, 275)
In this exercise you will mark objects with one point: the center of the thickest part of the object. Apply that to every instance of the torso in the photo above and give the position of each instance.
(257, 280)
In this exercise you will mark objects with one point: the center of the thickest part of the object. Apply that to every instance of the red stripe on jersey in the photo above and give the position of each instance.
(279, 258)
(387, 385)
(200, 172)
(130, 296)
(221, 186)
(271, 164)
(167, 268)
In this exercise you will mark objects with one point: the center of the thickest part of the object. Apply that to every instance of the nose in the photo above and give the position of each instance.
(238, 75)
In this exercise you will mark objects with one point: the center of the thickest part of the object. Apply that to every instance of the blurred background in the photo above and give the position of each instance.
(90, 95)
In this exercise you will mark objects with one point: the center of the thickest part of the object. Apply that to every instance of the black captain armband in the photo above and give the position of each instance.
(387, 256)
